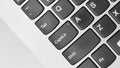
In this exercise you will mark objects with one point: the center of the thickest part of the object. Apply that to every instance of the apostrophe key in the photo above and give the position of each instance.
(33, 9)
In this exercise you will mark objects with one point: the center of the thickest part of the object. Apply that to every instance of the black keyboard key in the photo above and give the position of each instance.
(33, 9)
(82, 18)
(47, 23)
(19, 2)
(78, 2)
(114, 42)
(113, 0)
(105, 26)
(80, 48)
(104, 56)
(47, 2)
(63, 8)
(87, 64)
(98, 6)
(115, 12)
(63, 35)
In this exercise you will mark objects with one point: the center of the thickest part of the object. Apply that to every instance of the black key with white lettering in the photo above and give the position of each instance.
(82, 18)
(113, 0)
(105, 26)
(63, 8)
(47, 2)
(47, 23)
(115, 12)
(78, 2)
(63, 35)
(19, 2)
(104, 56)
(81, 47)
(88, 63)
(98, 6)
(114, 42)
(33, 9)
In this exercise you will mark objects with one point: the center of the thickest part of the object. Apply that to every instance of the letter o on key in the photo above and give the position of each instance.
(58, 8)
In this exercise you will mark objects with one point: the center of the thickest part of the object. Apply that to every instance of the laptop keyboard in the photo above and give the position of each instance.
(85, 30)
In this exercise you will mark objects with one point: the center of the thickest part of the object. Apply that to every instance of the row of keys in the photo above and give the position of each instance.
(66, 33)
(62, 8)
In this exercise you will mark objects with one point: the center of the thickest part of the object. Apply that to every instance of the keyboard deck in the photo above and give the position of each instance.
(79, 28)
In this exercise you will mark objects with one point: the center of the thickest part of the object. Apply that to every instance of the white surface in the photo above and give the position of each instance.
(38, 43)
(13, 53)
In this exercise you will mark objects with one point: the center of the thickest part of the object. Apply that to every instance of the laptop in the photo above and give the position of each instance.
(60, 33)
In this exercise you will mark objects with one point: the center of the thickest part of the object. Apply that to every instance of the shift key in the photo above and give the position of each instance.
(63, 35)
(81, 47)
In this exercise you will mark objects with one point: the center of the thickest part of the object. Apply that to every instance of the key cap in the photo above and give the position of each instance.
(63, 8)
(82, 18)
(33, 9)
(81, 47)
(88, 63)
(19, 2)
(105, 26)
(98, 6)
(114, 42)
(63, 35)
(113, 0)
(104, 56)
(78, 2)
(47, 2)
(47, 23)
(115, 12)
